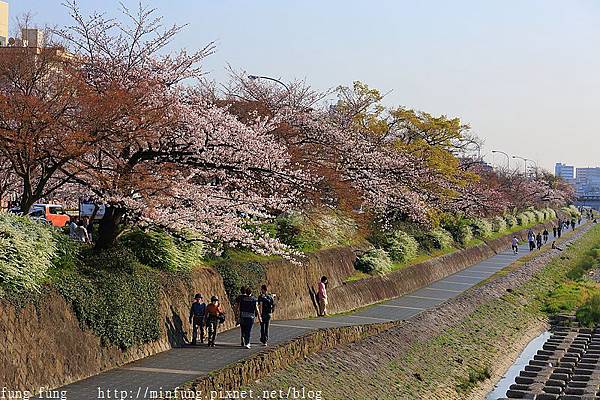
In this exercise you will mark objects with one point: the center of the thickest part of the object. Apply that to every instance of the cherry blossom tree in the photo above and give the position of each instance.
(167, 155)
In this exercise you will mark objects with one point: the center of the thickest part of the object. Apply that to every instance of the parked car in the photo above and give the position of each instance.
(55, 214)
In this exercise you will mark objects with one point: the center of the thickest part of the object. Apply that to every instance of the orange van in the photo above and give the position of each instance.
(54, 213)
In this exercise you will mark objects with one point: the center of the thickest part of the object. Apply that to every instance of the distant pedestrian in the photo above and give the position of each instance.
(266, 301)
(573, 224)
(73, 228)
(81, 233)
(515, 245)
(214, 313)
(322, 299)
(545, 234)
(538, 241)
(89, 227)
(236, 310)
(248, 311)
(197, 317)
(554, 231)
(559, 229)
(531, 240)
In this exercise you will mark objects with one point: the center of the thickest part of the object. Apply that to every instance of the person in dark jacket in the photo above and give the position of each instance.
(538, 240)
(266, 301)
(197, 311)
(248, 311)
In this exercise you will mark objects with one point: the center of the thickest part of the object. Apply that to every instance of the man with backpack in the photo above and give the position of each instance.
(266, 301)
(248, 311)
(197, 311)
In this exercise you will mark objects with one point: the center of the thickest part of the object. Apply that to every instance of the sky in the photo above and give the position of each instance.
(524, 74)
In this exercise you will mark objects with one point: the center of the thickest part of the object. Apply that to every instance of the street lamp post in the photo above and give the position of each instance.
(255, 77)
(525, 160)
(507, 158)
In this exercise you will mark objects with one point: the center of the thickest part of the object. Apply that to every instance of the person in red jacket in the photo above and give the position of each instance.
(214, 313)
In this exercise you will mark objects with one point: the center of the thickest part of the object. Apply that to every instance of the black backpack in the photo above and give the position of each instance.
(268, 304)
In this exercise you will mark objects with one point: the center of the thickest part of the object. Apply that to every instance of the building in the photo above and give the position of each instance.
(587, 182)
(3, 23)
(566, 172)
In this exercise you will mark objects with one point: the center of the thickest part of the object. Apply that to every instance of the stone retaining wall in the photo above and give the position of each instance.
(295, 285)
(264, 363)
(45, 346)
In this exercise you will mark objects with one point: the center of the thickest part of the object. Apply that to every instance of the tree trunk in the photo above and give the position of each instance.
(108, 228)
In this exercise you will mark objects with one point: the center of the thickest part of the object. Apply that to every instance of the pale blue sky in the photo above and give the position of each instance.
(524, 73)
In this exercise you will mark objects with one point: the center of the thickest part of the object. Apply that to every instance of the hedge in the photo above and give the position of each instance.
(498, 224)
(400, 246)
(438, 239)
(375, 261)
(481, 227)
(27, 249)
(160, 250)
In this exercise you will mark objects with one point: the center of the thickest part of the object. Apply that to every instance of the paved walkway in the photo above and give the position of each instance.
(166, 371)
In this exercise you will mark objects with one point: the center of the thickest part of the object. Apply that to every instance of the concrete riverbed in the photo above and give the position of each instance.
(565, 366)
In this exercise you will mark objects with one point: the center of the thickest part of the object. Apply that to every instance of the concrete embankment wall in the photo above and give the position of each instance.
(45, 346)
(295, 285)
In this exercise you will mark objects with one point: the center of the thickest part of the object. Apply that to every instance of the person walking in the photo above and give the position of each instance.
(248, 311)
(89, 227)
(73, 228)
(559, 229)
(197, 311)
(554, 231)
(212, 315)
(236, 310)
(266, 302)
(515, 245)
(322, 299)
(531, 240)
(573, 224)
(81, 233)
(545, 234)
(538, 241)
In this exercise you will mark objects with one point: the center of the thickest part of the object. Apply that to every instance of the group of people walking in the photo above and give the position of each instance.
(536, 240)
(247, 308)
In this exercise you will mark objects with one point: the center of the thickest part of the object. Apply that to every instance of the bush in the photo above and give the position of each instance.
(551, 213)
(589, 313)
(27, 249)
(531, 217)
(238, 275)
(571, 211)
(438, 239)
(400, 246)
(315, 230)
(459, 229)
(67, 252)
(511, 221)
(540, 216)
(498, 224)
(121, 307)
(481, 227)
(522, 219)
(375, 261)
(160, 250)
